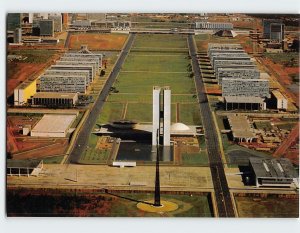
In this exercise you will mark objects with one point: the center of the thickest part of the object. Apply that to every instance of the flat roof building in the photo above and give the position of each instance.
(224, 46)
(82, 59)
(53, 125)
(241, 102)
(228, 56)
(80, 62)
(281, 100)
(240, 128)
(237, 73)
(74, 73)
(63, 83)
(23, 167)
(273, 29)
(18, 35)
(213, 25)
(85, 53)
(273, 172)
(76, 67)
(57, 21)
(23, 92)
(234, 50)
(46, 27)
(233, 63)
(55, 99)
(245, 87)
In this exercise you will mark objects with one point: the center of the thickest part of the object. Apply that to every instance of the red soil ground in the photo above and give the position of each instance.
(213, 91)
(98, 41)
(30, 147)
(19, 72)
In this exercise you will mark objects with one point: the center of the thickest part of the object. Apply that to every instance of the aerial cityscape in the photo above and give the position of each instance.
(152, 115)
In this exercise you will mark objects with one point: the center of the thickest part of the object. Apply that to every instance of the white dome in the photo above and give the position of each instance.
(179, 127)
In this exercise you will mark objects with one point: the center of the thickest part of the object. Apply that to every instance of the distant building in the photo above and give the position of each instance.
(213, 25)
(13, 21)
(96, 16)
(23, 92)
(242, 85)
(280, 100)
(82, 23)
(55, 99)
(237, 73)
(46, 27)
(89, 68)
(65, 19)
(273, 29)
(18, 35)
(240, 129)
(23, 167)
(61, 83)
(30, 18)
(57, 19)
(43, 15)
(53, 126)
(233, 64)
(273, 172)
(71, 72)
(161, 117)
(228, 56)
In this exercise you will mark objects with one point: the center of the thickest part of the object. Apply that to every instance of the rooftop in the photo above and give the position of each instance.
(240, 127)
(54, 123)
(54, 95)
(243, 99)
(278, 94)
(22, 163)
(277, 168)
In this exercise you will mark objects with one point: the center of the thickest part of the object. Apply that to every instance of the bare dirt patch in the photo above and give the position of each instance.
(98, 41)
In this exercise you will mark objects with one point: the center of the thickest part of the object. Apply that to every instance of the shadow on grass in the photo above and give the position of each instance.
(127, 198)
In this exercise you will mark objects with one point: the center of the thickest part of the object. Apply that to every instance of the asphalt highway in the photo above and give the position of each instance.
(223, 199)
(83, 136)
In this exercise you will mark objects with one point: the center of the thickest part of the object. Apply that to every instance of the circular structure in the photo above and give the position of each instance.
(123, 124)
(179, 127)
(166, 206)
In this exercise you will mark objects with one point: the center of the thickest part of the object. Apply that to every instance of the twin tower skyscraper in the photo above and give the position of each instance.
(161, 116)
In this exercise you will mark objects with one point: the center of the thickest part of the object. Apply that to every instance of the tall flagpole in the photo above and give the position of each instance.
(157, 183)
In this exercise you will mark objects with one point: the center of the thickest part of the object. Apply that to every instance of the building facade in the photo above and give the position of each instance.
(214, 25)
(245, 87)
(55, 99)
(24, 92)
(46, 27)
(66, 84)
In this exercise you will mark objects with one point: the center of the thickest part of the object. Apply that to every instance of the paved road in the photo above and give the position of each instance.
(83, 136)
(223, 199)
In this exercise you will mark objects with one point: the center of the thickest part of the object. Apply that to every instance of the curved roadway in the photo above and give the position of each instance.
(83, 136)
(223, 199)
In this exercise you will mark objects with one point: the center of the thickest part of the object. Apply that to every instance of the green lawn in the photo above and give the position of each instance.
(53, 160)
(189, 206)
(142, 83)
(147, 98)
(160, 41)
(190, 114)
(94, 156)
(155, 63)
(110, 112)
(60, 203)
(267, 207)
(200, 158)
